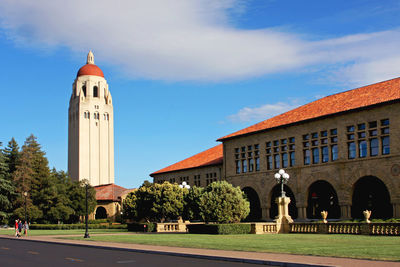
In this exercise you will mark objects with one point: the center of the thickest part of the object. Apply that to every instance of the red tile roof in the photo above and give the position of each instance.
(110, 192)
(212, 156)
(90, 69)
(346, 101)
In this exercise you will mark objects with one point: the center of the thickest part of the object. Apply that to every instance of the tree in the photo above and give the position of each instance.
(154, 202)
(223, 203)
(191, 209)
(11, 153)
(7, 190)
(77, 194)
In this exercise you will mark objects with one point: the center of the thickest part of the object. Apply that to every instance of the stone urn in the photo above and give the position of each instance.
(367, 215)
(324, 215)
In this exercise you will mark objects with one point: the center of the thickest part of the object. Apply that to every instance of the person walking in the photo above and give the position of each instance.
(19, 228)
(26, 228)
(16, 228)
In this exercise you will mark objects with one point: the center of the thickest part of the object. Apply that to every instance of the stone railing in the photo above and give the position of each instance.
(178, 227)
(346, 228)
(264, 228)
(384, 228)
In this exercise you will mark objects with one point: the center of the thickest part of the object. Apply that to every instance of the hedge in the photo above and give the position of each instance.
(220, 229)
(75, 226)
(142, 227)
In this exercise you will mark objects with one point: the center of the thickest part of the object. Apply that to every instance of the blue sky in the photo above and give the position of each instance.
(184, 73)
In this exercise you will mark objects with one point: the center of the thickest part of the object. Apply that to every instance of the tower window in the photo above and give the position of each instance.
(84, 90)
(95, 91)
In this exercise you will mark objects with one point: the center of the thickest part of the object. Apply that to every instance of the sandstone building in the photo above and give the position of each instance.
(341, 151)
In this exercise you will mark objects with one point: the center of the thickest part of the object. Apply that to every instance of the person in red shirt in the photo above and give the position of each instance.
(16, 228)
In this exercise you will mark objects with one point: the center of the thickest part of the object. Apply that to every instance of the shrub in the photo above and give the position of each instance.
(220, 229)
(142, 227)
(223, 203)
(75, 226)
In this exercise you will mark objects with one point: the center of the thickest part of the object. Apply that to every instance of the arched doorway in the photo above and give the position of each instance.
(370, 193)
(276, 192)
(322, 196)
(101, 213)
(255, 207)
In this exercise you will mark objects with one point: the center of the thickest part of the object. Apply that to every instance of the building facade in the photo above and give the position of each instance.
(91, 127)
(341, 153)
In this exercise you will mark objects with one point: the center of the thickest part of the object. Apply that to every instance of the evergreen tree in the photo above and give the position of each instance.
(11, 153)
(77, 194)
(7, 190)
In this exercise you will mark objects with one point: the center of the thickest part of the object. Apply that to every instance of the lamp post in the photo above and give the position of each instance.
(86, 215)
(25, 195)
(282, 178)
(184, 185)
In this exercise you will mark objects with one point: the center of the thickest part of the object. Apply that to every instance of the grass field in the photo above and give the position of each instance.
(64, 232)
(350, 246)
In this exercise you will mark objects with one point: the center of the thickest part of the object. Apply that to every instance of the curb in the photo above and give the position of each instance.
(177, 254)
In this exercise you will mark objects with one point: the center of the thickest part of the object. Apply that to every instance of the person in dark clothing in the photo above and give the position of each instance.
(19, 228)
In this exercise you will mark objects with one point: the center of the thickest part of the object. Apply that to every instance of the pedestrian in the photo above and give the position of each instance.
(16, 228)
(19, 228)
(26, 228)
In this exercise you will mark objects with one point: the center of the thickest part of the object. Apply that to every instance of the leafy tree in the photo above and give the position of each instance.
(7, 190)
(76, 192)
(223, 203)
(154, 202)
(191, 209)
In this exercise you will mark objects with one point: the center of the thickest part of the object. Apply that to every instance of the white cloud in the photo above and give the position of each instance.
(264, 112)
(191, 40)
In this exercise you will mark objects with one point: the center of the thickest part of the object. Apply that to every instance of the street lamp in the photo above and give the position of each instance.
(282, 178)
(184, 185)
(25, 195)
(86, 215)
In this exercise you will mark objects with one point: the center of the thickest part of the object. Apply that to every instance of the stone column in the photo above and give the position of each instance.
(265, 213)
(283, 219)
(396, 210)
(345, 209)
(302, 213)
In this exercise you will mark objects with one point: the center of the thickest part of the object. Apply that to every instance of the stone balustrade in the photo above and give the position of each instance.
(171, 227)
(384, 228)
(264, 228)
(304, 227)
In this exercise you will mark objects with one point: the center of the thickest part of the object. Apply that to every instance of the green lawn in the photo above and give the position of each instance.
(351, 246)
(64, 232)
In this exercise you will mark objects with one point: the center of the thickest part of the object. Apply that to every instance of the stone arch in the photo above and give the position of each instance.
(276, 192)
(371, 193)
(255, 206)
(322, 196)
(101, 213)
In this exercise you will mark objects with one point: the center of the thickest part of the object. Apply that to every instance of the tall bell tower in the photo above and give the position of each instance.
(91, 127)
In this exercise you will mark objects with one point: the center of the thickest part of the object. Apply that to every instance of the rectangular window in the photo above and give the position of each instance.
(306, 144)
(292, 159)
(334, 152)
(291, 140)
(269, 162)
(315, 143)
(325, 154)
(268, 144)
(361, 135)
(385, 145)
(251, 165)
(237, 166)
(276, 143)
(372, 124)
(374, 147)
(361, 126)
(249, 147)
(243, 148)
(285, 161)
(315, 153)
(277, 161)
(306, 157)
(292, 147)
(324, 133)
(314, 135)
(256, 146)
(237, 150)
(250, 154)
(385, 131)
(351, 150)
(362, 145)
(333, 131)
(350, 128)
(244, 165)
(257, 164)
(306, 137)
(350, 137)
(334, 139)
(385, 122)
(373, 133)
(283, 141)
(324, 141)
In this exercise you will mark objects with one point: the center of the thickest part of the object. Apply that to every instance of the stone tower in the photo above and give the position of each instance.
(91, 127)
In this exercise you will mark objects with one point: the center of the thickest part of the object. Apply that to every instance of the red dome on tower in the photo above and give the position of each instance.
(90, 68)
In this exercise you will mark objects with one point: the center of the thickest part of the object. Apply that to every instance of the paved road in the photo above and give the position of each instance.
(20, 252)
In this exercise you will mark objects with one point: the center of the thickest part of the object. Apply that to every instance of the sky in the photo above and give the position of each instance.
(184, 73)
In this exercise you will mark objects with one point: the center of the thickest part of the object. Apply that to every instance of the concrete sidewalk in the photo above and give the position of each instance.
(274, 259)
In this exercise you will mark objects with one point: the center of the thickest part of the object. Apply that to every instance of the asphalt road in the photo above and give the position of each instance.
(21, 252)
